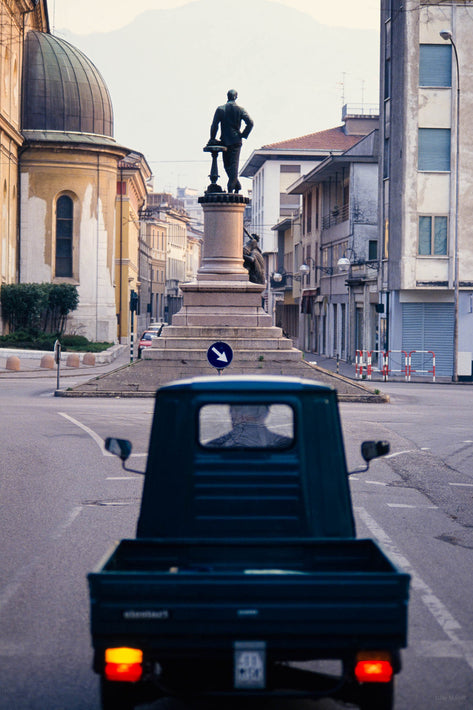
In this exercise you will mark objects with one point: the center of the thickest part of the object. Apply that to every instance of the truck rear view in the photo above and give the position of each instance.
(246, 562)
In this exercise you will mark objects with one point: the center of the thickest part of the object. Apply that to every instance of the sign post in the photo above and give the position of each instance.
(220, 355)
(57, 359)
(133, 309)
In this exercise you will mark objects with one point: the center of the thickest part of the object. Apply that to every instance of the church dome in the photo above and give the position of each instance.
(62, 90)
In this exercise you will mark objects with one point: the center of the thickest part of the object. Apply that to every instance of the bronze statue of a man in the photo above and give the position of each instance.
(229, 117)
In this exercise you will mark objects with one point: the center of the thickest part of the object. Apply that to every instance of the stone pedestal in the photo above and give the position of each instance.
(223, 305)
(222, 295)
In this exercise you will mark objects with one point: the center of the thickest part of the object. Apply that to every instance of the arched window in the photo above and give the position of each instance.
(64, 218)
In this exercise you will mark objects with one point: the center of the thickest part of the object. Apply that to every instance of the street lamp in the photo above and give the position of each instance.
(446, 35)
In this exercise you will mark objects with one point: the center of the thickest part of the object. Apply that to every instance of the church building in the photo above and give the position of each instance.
(56, 126)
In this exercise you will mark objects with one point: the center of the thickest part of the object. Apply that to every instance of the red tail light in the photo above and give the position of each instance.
(123, 664)
(373, 667)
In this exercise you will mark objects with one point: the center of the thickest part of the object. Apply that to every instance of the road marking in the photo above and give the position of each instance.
(442, 649)
(67, 523)
(98, 439)
(11, 590)
(467, 485)
(399, 453)
(406, 505)
(439, 611)
(376, 483)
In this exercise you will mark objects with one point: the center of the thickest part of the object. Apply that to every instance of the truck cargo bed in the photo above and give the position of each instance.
(302, 594)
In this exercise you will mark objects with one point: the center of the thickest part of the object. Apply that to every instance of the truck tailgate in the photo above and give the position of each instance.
(175, 594)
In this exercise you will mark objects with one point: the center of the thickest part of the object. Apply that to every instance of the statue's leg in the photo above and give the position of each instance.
(231, 159)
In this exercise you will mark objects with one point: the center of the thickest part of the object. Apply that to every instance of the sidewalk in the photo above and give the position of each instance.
(30, 363)
(348, 370)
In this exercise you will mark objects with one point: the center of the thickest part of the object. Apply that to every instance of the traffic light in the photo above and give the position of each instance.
(133, 301)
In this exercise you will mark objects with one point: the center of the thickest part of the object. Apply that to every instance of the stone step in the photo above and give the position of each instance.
(221, 333)
(172, 355)
(221, 316)
(236, 344)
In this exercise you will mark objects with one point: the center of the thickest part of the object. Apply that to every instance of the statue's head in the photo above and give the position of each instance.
(232, 95)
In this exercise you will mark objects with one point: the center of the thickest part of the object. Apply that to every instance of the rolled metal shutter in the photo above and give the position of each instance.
(429, 326)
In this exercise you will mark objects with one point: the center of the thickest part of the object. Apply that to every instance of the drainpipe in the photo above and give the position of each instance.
(121, 257)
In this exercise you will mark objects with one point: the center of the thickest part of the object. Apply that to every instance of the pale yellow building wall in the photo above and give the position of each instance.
(89, 178)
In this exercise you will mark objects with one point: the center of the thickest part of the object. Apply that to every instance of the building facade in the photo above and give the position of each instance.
(339, 304)
(426, 212)
(17, 17)
(276, 167)
(68, 180)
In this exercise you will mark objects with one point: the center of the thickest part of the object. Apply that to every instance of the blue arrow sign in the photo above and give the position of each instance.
(220, 355)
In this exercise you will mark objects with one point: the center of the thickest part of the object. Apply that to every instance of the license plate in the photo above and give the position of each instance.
(250, 664)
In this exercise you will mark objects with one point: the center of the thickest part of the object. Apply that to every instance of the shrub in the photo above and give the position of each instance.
(38, 307)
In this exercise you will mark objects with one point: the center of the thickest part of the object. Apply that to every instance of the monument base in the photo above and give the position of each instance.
(223, 305)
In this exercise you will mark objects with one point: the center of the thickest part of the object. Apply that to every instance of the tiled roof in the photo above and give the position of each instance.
(331, 139)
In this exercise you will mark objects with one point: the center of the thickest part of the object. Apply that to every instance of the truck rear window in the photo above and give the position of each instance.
(246, 426)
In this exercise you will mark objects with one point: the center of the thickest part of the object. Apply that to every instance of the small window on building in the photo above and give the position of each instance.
(64, 222)
(434, 149)
(435, 65)
(372, 250)
(290, 169)
(309, 213)
(432, 236)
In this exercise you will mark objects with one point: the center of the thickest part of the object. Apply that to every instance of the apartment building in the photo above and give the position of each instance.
(425, 182)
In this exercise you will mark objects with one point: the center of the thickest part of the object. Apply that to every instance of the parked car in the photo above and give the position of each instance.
(157, 328)
(146, 340)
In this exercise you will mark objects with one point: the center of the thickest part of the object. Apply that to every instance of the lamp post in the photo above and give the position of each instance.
(446, 35)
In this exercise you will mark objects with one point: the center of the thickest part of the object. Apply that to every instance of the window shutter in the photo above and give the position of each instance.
(435, 65)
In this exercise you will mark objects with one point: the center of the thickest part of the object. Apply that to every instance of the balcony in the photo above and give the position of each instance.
(336, 216)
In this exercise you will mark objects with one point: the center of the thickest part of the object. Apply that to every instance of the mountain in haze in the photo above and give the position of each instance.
(168, 70)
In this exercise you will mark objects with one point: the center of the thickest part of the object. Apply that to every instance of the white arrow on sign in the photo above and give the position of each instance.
(220, 356)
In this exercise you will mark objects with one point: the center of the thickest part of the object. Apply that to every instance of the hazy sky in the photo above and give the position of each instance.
(313, 107)
(105, 15)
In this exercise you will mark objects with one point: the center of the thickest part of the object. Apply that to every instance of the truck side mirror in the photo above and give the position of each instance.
(373, 449)
(121, 448)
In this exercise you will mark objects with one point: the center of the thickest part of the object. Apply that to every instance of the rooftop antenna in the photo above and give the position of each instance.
(342, 85)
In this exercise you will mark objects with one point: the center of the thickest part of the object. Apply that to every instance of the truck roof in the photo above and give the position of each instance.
(248, 382)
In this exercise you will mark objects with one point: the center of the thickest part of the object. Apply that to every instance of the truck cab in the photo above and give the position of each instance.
(209, 474)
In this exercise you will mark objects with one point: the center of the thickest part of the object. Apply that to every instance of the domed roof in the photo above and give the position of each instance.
(62, 89)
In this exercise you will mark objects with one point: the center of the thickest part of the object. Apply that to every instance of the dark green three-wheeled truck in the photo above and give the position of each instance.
(246, 577)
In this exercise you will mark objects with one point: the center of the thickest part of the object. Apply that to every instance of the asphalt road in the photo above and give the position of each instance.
(64, 501)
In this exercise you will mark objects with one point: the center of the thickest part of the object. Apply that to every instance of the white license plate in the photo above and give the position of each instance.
(250, 664)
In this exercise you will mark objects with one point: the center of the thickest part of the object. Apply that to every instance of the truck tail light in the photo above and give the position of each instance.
(123, 664)
(373, 667)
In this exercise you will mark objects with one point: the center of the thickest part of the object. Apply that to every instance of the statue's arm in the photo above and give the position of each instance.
(215, 125)
(248, 124)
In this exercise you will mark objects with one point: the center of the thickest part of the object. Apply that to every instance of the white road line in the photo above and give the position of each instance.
(439, 611)
(399, 453)
(467, 485)
(376, 483)
(416, 507)
(68, 522)
(98, 439)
